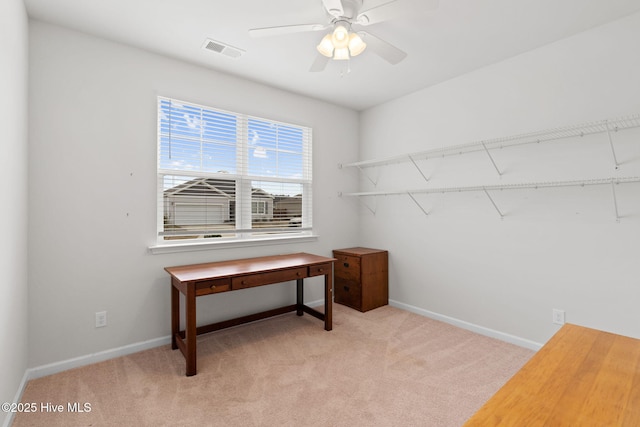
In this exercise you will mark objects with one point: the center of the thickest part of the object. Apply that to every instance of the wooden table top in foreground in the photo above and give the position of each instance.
(581, 377)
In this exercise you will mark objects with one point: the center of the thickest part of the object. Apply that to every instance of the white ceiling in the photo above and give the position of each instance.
(458, 37)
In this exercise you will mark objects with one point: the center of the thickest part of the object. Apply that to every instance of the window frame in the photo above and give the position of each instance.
(244, 234)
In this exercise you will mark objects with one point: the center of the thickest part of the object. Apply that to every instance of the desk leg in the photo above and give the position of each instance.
(190, 332)
(328, 301)
(175, 313)
(299, 296)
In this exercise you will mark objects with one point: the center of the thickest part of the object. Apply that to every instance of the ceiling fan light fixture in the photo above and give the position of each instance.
(341, 43)
(326, 46)
(340, 37)
(341, 54)
(356, 45)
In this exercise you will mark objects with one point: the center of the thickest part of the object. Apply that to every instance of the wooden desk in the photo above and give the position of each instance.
(581, 377)
(211, 278)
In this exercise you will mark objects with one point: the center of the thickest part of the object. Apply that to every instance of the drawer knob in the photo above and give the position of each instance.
(346, 264)
(321, 269)
(213, 287)
(346, 288)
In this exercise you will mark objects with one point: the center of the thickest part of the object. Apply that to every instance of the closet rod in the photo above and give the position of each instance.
(530, 185)
(601, 126)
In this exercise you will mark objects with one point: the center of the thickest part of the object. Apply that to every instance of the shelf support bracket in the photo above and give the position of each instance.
(418, 204)
(373, 211)
(491, 158)
(419, 170)
(615, 200)
(375, 183)
(613, 151)
(493, 203)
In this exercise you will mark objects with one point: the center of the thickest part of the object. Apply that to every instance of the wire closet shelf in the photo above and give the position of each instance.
(602, 126)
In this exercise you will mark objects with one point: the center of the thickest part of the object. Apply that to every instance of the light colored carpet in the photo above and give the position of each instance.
(386, 367)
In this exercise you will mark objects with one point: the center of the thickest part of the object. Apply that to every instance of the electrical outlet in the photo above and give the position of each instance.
(558, 316)
(101, 319)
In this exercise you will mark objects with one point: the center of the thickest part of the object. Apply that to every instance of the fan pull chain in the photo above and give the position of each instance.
(342, 71)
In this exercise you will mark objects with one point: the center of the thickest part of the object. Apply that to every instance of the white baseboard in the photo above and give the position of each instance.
(512, 339)
(16, 399)
(101, 356)
(316, 303)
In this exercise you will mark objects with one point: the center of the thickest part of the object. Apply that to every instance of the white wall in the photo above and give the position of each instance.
(13, 215)
(555, 248)
(93, 186)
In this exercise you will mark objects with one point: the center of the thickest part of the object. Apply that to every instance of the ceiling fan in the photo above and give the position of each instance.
(343, 42)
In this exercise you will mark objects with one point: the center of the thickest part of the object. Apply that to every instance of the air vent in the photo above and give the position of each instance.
(222, 48)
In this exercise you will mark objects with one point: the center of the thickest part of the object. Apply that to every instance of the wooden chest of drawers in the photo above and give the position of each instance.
(361, 278)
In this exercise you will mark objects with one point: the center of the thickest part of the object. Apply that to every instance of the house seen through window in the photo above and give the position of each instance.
(225, 176)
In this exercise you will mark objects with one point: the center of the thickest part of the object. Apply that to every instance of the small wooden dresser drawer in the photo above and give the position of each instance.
(348, 267)
(207, 287)
(268, 278)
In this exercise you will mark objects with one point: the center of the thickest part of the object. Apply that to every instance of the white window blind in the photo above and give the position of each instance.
(225, 176)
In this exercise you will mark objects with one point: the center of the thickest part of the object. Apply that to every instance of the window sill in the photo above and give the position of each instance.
(205, 246)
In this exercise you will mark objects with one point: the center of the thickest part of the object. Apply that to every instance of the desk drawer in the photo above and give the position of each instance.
(268, 278)
(319, 270)
(214, 286)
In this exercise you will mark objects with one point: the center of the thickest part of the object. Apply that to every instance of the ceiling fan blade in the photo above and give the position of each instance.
(385, 50)
(286, 29)
(394, 9)
(333, 7)
(319, 64)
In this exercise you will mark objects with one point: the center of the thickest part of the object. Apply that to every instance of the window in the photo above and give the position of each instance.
(259, 207)
(226, 176)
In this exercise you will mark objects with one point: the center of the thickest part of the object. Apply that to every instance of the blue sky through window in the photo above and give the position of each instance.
(198, 139)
